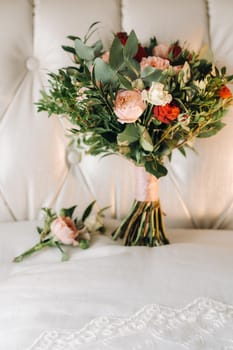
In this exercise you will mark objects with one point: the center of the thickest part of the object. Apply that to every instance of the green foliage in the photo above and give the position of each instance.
(131, 47)
(156, 168)
(193, 82)
(129, 135)
(73, 232)
(68, 211)
(150, 74)
(88, 210)
(116, 59)
(103, 72)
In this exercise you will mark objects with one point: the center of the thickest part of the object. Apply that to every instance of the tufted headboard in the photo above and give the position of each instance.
(39, 168)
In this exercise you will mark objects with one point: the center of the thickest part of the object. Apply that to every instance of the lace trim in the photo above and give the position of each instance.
(203, 324)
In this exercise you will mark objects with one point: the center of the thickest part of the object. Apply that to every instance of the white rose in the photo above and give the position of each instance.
(156, 95)
(93, 223)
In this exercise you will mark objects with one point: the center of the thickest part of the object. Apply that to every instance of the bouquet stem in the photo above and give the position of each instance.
(143, 225)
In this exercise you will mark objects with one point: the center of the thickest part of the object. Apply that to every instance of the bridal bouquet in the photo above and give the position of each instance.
(62, 229)
(141, 102)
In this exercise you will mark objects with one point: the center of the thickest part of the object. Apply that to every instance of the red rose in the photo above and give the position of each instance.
(175, 50)
(140, 54)
(224, 92)
(123, 36)
(166, 114)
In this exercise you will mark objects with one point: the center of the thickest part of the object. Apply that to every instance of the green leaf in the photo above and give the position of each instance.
(87, 211)
(83, 51)
(39, 229)
(116, 58)
(131, 47)
(212, 130)
(145, 139)
(103, 72)
(64, 256)
(126, 83)
(67, 211)
(97, 47)
(150, 74)
(155, 168)
(133, 68)
(129, 135)
(90, 31)
(73, 37)
(69, 49)
(72, 71)
(229, 77)
(101, 211)
(223, 70)
(182, 151)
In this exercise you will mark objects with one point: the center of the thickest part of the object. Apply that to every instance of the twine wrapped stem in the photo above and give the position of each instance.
(144, 223)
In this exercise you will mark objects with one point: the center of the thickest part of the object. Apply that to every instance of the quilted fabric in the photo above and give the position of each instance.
(39, 169)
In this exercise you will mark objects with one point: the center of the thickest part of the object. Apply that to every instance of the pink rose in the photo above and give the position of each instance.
(64, 229)
(129, 105)
(156, 62)
(161, 50)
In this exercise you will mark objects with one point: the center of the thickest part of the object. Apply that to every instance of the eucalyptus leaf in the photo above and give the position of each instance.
(146, 145)
(97, 47)
(150, 74)
(125, 82)
(133, 68)
(147, 71)
(131, 47)
(103, 71)
(145, 139)
(129, 135)
(155, 168)
(83, 51)
(116, 58)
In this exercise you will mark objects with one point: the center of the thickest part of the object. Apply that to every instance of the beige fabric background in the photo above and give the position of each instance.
(36, 167)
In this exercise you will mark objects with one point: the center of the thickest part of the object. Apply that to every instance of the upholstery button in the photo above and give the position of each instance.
(74, 157)
(32, 63)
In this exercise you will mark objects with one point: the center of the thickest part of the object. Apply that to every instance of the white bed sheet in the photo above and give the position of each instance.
(42, 294)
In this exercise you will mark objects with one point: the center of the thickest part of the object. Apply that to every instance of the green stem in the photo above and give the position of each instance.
(35, 248)
(143, 226)
(64, 255)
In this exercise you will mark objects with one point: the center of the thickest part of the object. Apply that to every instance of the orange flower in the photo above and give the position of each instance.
(166, 114)
(224, 92)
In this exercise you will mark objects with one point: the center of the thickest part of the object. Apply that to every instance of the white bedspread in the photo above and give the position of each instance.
(107, 281)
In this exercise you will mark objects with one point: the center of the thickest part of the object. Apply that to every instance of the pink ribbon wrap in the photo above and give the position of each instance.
(147, 186)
